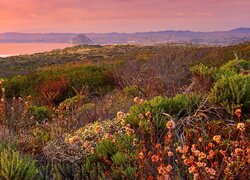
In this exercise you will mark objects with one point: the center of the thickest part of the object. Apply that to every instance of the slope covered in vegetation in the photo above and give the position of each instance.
(129, 112)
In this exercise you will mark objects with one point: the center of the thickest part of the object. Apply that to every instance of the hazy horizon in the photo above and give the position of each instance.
(123, 32)
(122, 16)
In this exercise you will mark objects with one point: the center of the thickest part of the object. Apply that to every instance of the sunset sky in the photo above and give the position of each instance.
(122, 15)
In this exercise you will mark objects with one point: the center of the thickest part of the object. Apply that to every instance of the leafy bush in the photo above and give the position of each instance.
(58, 81)
(132, 91)
(14, 166)
(177, 106)
(202, 71)
(232, 92)
(39, 112)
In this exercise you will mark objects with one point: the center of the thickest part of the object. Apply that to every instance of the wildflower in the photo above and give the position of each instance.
(186, 161)
(141, 155)
(1, 81)
(217, 138)
(201, 164)
(202, 155)
(238, 112)
(170, 124)
(223, 152)
(238, 151)
(86, 144)
(140, 116)
(148, 114)
(200, 139)
(192, 169)
(136, 100)
(97, 129)
(73, 139)
(166, 148)
(210, 171)
(178, 149)
(120, 114)
(169, 168)
(150, 178)
(155, 158)
(241, 126)
(161, 169)
(211, 145)
(170, 153)
(183, 157)
(196, 175)
(157, 146)
(29, 97)
(211, 154)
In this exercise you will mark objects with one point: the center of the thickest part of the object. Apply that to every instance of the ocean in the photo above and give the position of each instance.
(12, 49)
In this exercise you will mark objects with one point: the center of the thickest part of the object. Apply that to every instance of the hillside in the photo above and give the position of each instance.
(234, 36)
(168, 111)
(81, 39)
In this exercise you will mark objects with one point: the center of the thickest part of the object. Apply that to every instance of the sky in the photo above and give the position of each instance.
(101, 16)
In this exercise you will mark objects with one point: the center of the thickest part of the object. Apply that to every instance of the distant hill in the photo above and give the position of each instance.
(81, 39)
(233, 36)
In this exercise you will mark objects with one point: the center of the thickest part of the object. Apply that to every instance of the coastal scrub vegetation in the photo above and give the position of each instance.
(127, 112)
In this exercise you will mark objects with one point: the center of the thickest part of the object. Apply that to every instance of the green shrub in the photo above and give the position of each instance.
(116, 156)
(231, 68)
(39, 112)
(202, 70)
(232, 92)
(14, 166)
(61, 79)
(177, 106)
(132, 91)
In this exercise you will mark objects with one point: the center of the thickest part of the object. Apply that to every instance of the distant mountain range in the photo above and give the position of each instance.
(216, 37)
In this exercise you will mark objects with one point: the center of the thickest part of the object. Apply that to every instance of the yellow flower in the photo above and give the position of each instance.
(73, 139)
(241, 126)
(97, 129)
(136, 99)
(170, 124)
(148, 114)
(217, 138)
(120, 114)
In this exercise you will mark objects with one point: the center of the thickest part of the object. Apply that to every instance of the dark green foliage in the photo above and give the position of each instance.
(39, 112)
(232, 92)
(177, 106)
(14, 166)
(60, 80)
(116, 158)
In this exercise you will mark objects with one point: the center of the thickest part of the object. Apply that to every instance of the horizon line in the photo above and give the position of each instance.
(124, 32)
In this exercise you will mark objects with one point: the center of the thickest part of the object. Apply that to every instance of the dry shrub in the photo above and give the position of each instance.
(53, 90)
